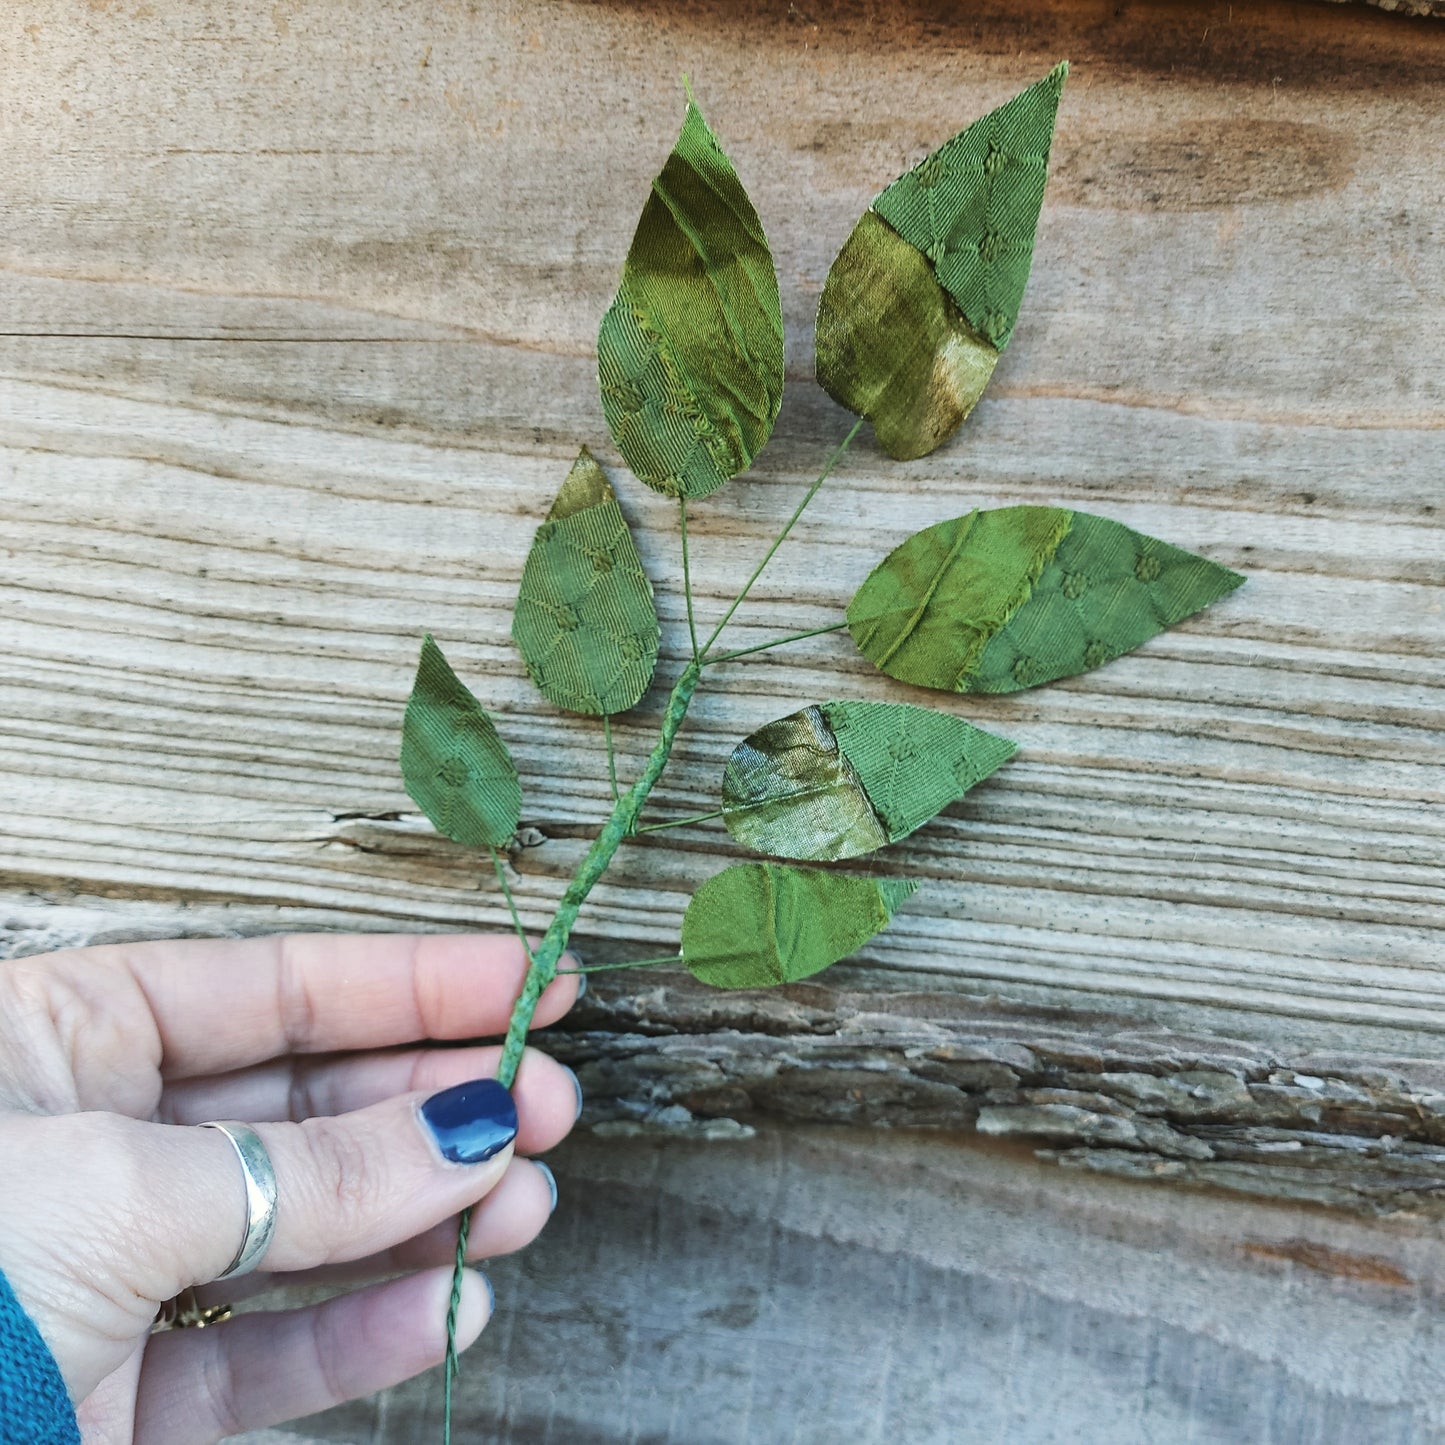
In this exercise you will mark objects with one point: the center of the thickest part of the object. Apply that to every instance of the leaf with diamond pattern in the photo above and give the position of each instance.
(926, 291)
(1000, 600)
(690, 353)
(755, 925)
(840, 779)
(585, 621)
(456, 768)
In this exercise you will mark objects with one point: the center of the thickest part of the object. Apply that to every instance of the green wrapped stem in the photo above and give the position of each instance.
(621, 823)
(543, 967)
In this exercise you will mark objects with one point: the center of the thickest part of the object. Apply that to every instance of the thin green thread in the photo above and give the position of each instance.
(631, 963)
(776, 642)
(680, 822)
(782, 536)
(687, 576)
(612, 754)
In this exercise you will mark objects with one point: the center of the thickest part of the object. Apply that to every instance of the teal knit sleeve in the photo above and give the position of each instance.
(35, 1408)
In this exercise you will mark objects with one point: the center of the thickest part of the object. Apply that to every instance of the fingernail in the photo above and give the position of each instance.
(551, 1182)
(471, 1122)
(576, 1084)
(491, 1294)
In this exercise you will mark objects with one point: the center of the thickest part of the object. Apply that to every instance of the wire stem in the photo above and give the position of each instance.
(631, 963)
(542, 968)
(611, 757)
(680, 822)
(464, 1220)
(452, 1366)
(782, 536)
(776, 642)
(511, 902)
(687, 577)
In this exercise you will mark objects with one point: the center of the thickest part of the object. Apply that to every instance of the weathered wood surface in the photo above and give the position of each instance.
(299, 308)
(811, 1285)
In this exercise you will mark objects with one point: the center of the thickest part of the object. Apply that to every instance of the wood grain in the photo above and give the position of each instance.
(297, 308)
(298, 344)
(809, 1285)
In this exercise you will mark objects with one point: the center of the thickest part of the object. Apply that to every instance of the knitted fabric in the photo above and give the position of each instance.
(34, 1406)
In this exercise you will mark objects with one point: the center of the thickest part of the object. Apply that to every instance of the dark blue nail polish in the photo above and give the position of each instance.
(551, 1181)
(576, 1084)
(491, 1294)
(471, 1122)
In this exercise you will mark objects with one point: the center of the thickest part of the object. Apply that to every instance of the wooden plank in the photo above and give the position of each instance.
(296, 354)
(763, 1293)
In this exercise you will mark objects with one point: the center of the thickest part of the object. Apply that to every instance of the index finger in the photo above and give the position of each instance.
(221, 1004)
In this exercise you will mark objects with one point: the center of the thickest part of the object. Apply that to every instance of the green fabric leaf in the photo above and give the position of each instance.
(759, 924)
(926, 290)
(586, 622)
(1006, 599)
(456, 768)
(892, 346)
(840, 779)
(972, 207)
(690, 354)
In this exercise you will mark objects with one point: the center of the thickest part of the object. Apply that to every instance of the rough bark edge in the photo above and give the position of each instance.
(1434, 8)
(1367, 1136)
(659, 1054)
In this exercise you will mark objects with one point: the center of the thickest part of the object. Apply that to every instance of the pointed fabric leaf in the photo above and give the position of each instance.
(842, 778)
(690, 354)
(1006, 599)
(926, 290)
(759, 924)
(456, 768)
(585, 622)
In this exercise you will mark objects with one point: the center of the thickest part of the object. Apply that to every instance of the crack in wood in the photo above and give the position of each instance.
(1368, 1137)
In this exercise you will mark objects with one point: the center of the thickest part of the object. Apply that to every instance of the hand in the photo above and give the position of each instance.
(110, 1204)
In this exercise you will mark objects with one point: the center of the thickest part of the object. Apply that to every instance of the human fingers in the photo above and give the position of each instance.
(220, 1005)
(508, 1219)
(114, 1215)
(265, 1368)
(547, 1093)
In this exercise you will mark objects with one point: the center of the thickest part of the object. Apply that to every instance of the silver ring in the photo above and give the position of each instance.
(260, 1180)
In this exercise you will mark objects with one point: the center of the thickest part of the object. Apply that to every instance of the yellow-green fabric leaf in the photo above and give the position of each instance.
(759, 924)
(586, 622)
(839, 779)
(456, 768)
(1000, 600)
(926, 290)
(690, 353)
(892, 346)
(972, 207)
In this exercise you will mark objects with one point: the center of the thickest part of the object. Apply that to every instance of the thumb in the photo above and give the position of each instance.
(112, 1216)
